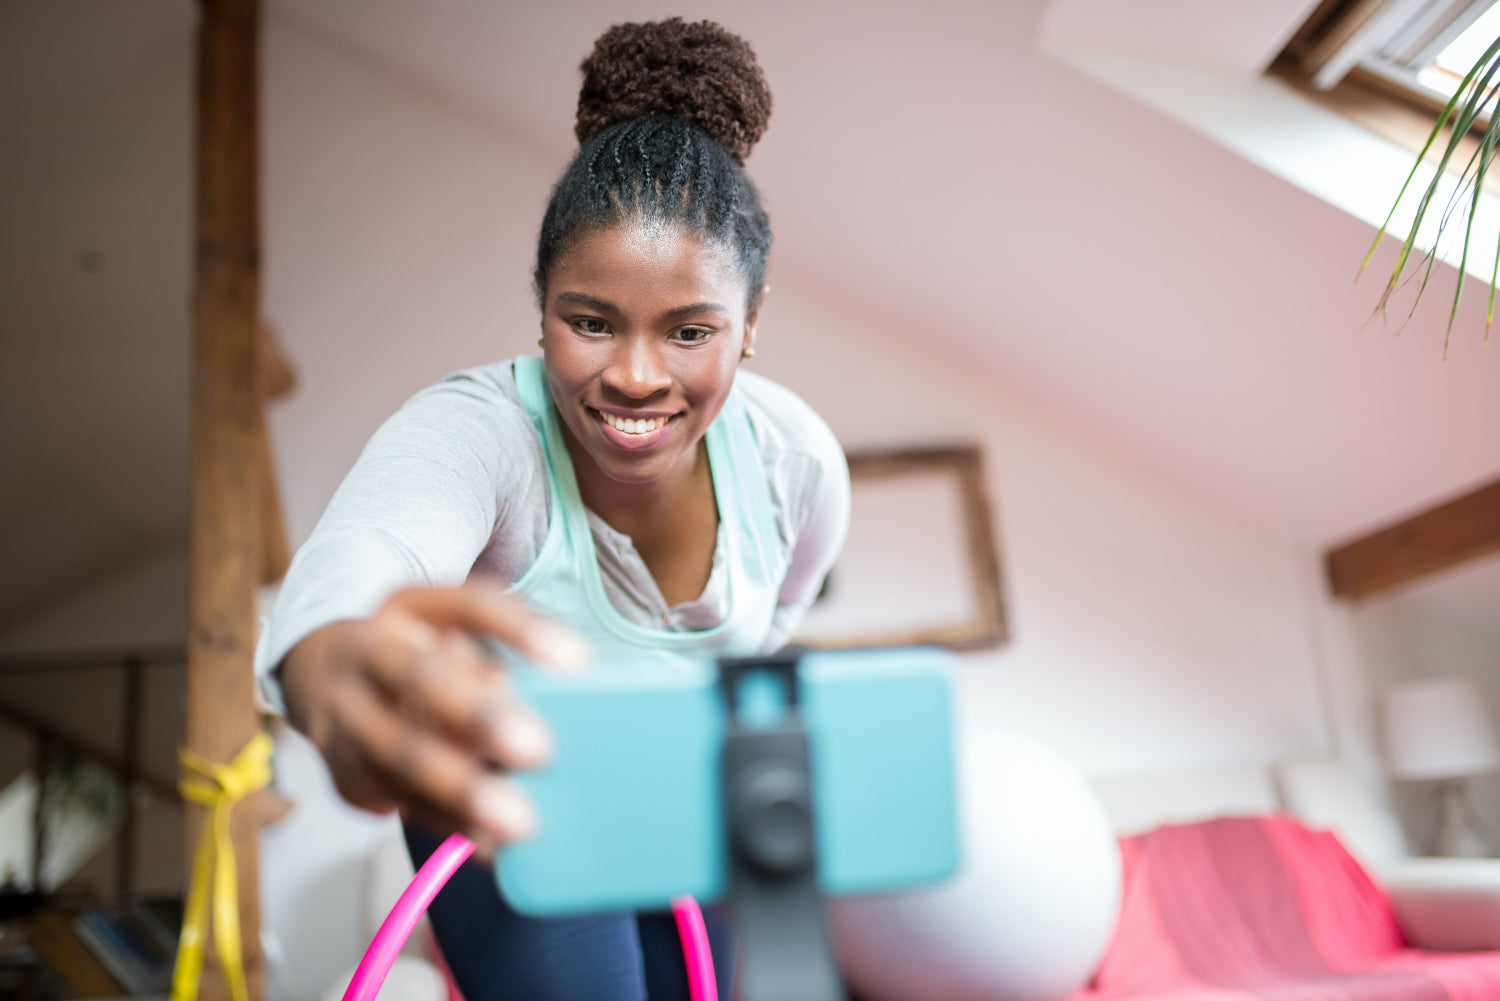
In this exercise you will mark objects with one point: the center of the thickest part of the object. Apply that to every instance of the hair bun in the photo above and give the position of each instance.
(698, 72)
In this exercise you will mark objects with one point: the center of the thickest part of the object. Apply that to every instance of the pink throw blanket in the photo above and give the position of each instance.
(1265, 908)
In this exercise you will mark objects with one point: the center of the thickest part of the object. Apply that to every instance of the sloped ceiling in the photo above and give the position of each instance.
(95, 190)
(925, 161)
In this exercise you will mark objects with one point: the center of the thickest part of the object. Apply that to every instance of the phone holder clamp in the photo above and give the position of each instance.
(769, 812)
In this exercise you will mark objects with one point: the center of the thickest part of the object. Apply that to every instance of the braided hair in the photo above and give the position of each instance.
(666, 117)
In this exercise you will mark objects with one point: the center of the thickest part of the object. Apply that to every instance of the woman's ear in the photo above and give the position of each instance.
(747, 350)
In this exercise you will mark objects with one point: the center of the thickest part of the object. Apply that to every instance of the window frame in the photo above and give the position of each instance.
(1356, 57)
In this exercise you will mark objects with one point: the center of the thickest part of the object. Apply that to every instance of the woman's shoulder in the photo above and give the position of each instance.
(491, 386)
(471, 424)
(785, 423)
(804, 462)
(470, 446)
(479, 403)
(807, 475)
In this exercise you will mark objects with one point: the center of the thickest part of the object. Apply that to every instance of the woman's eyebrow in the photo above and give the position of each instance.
(696, 307)
(591, 301)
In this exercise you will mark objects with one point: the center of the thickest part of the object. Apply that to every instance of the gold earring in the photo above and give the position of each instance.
(747, 352)
(541, 342)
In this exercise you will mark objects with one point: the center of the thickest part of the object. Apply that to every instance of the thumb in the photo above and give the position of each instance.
(487, 610)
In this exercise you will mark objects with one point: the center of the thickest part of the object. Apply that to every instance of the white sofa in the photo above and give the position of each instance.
(1442, 904)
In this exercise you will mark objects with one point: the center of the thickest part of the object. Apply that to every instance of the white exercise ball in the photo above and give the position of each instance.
(1030, 911)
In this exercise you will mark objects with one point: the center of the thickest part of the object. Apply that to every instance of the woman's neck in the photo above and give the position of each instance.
(673, 521)
(635, 507)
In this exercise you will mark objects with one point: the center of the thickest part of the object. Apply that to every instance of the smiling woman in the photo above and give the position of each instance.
(632, 492)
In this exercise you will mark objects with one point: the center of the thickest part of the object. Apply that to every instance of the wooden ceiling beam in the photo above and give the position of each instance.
(1449, 534)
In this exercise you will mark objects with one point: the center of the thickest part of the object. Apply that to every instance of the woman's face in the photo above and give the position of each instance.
(642, 328)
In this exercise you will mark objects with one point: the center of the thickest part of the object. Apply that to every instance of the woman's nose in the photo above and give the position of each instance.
(638, 369)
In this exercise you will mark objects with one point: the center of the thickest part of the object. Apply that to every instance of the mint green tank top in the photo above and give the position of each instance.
(564, 581)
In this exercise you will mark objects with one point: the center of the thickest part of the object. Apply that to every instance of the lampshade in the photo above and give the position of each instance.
(1438, 729)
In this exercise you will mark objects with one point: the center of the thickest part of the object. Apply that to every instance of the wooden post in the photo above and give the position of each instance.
(39, 811)
(130, 755)
(225, 533)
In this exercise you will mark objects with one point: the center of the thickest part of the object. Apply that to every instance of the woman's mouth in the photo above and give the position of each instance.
(633, 432)
(634, 425)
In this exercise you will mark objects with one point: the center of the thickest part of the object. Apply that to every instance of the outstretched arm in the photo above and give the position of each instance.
(372, 647)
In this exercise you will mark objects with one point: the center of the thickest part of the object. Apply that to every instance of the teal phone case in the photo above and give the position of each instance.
(630, 804)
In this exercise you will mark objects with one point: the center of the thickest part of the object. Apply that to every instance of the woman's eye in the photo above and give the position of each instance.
(694, 335)
(590, 325)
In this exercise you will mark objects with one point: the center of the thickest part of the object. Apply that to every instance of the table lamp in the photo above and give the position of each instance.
(1437, 730)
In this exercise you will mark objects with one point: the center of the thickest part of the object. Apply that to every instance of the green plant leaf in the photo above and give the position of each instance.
(1474, 99)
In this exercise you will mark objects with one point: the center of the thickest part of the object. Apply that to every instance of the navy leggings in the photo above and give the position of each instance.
(498, 955)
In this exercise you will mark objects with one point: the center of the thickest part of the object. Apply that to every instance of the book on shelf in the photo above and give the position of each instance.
(131, 944)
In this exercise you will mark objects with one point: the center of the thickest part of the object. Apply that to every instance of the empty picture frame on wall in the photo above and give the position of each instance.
(920, 564)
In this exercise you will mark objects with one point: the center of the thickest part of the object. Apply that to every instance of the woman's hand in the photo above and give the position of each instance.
(409, 712)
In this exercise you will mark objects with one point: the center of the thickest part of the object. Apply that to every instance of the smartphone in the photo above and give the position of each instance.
(631, 807)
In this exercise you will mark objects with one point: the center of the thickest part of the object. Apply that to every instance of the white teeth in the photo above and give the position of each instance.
(630, 426)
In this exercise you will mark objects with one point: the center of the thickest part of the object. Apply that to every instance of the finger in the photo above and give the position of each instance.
(483, 608)
(348, 765)
(455, 689)
(356, 784)
(485, 846)
(436, 778)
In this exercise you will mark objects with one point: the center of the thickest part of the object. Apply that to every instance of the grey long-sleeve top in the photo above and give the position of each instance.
(454, 485)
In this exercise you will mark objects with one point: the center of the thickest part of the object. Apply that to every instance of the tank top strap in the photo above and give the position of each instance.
(568, 509)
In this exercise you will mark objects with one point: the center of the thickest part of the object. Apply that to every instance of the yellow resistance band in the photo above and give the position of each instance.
(217, 787)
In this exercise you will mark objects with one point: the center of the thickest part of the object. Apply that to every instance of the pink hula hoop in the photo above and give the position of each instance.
(435, 873)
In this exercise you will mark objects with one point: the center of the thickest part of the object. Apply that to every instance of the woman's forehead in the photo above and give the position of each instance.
(649, 256)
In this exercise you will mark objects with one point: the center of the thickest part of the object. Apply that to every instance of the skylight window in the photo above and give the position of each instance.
(1448, 68)
(1425, 45)
(1392, 65)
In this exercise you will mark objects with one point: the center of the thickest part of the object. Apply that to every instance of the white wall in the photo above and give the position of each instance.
(1150, 629)
(1421, 631)
(313, 877)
